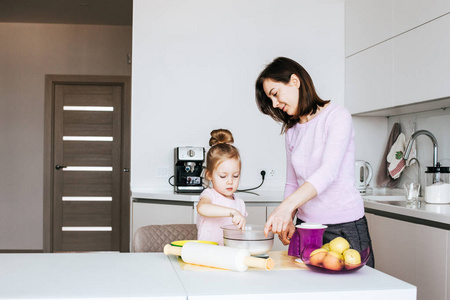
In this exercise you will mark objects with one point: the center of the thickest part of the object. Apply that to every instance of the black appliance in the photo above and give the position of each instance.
(188, 169)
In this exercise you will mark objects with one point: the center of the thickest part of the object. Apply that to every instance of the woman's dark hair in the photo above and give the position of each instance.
(281, 70)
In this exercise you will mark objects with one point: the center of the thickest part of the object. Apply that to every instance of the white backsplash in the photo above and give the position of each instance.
(372, 133)
(438, 123)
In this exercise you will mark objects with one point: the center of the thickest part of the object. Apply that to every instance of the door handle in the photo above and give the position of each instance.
(126, 170)
(58, 167)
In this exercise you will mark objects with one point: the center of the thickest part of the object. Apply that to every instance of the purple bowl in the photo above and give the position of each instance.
(305, 258)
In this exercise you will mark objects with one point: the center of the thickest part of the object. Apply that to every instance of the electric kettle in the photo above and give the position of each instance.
(363, 175)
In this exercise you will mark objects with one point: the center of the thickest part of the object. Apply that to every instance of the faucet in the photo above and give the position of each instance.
(413, 138)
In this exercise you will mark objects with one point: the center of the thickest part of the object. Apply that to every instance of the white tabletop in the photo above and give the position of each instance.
(366, 283)
(88, 276)
(135, 276)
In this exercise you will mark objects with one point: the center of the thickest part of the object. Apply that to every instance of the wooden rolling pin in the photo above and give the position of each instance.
(218, 256)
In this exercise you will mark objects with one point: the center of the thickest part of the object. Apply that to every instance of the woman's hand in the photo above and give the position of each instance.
(238, 219)
(279, 219)
(285, 236)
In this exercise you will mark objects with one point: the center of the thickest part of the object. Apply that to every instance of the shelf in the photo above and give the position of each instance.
(439, 104)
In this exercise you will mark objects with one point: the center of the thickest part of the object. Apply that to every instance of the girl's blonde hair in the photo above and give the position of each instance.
(221, 149)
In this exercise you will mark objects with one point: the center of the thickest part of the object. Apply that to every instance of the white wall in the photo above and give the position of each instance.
(194, 67)
(371, 136)
(27, 53)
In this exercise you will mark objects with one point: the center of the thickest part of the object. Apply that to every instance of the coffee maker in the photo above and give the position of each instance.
(188, 169)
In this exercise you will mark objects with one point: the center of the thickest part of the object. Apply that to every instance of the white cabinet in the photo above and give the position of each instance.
(422, 63)
(369, 219)
(412, 13)
(448, 267)
(369, 80)
(256, 214)
(394, 247)
(160, 214)
(396, 53)
(431, 256)
(414, 253)
(367, 22)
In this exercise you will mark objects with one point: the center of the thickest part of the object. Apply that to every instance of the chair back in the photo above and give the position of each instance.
(152, 238)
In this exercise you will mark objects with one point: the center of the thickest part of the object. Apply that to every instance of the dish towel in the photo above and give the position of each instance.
(395, 157)
(383, 177)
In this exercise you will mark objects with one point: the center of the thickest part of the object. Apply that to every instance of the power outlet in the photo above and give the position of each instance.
(162, 172)
(270, 173)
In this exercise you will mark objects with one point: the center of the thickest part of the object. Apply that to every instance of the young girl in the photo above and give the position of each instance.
(218, 206)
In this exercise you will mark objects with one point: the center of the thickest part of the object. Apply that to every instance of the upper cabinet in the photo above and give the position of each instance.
(396, 54)
(367, 22)
(409, 14)
(422, 63)
(370, 22)
(369, 79)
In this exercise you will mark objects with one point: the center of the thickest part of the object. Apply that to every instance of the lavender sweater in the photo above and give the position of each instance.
(322, 152)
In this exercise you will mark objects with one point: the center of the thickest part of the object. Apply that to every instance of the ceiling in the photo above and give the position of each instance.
(98, 12)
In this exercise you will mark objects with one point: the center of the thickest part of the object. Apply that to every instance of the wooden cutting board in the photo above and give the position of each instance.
(281, 259)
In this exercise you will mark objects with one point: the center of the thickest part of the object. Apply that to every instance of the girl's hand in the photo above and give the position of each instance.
(238, 219)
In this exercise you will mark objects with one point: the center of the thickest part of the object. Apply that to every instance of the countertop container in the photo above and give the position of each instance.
(437, 190)
(251, 238)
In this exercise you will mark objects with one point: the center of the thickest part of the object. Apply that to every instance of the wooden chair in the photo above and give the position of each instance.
(152, 238)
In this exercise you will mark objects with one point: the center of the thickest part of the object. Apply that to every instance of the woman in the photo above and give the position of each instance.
(320, 155)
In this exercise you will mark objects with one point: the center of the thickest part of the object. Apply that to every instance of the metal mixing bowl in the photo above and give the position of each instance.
(251, 238)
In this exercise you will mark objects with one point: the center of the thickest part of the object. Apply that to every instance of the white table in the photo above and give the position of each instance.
(154, 276)
(88, 276)
(366, 283)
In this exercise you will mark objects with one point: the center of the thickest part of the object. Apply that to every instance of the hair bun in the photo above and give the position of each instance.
(221, 136)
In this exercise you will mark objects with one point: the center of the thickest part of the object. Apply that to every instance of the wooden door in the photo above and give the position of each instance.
(89, 192)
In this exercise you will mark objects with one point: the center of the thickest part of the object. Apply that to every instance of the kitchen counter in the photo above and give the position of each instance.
(392, 204)
(256, 196)
(383, 203)
(156, 276)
